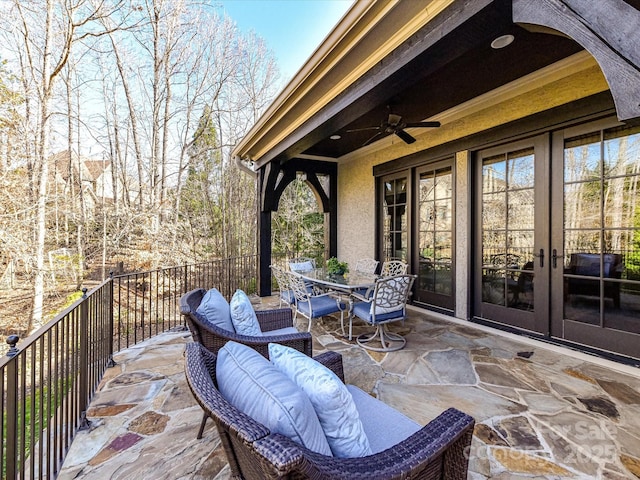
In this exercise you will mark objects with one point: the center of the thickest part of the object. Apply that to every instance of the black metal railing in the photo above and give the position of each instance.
(48, 380)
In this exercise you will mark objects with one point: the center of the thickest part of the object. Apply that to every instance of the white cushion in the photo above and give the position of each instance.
(301, 266)
(256, 387)
(243, 315)
(215, 310)
(330, 399)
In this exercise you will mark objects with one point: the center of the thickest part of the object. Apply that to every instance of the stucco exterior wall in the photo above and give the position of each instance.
(356, 210)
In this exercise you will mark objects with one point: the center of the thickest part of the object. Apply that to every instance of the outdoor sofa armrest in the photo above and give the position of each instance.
(189, 301)
(274, 319)
(333, 361)
(214, 338)
(440, 446)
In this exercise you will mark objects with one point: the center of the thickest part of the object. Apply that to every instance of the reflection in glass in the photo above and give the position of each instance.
(436, 231)
(520, 168)
(602, 229)
(394, 221)
(582, 158)
(508, 229)
(494, 214)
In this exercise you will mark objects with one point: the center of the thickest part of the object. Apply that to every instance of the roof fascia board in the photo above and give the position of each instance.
(343, 40)
(329, 44)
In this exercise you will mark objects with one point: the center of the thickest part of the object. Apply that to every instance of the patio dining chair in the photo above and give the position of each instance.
(391, 268)
(311, 303)
(285, 293)
(366, 265)
(387, 304)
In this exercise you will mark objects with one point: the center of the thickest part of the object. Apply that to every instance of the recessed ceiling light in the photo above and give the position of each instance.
(335, 137)
(502, 41)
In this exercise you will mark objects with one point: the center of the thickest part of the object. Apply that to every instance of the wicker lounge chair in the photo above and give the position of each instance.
(214, 338)
(437, 451)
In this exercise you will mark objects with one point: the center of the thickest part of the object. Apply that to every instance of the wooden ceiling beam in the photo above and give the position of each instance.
(608, 29)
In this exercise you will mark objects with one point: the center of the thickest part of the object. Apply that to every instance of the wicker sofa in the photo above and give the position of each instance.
(437, 451)
(214, 338)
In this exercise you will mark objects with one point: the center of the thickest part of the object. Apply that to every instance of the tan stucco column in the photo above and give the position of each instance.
(463, 234)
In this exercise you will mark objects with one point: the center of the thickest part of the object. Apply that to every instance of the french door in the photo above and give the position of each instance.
(395, 210)
(512, 232)
(596, 237)
(435, 236)
(558, 236)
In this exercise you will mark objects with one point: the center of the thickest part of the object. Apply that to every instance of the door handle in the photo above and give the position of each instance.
(554, 258)
(541, 257)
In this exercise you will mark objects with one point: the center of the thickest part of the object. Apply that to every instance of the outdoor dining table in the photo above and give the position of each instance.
(346, 284)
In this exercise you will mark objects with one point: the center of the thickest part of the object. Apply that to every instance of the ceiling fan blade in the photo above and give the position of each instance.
(362, 129)
(404, 136)
(372, 139)
(422, 124)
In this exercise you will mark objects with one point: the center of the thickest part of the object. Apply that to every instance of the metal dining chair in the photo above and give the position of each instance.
(366, 265)
(311, 304)
(302, 264)
(284, 290)
(387, 304)
(391, 268)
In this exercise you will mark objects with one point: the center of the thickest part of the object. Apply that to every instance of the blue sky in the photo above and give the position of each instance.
(293, 29)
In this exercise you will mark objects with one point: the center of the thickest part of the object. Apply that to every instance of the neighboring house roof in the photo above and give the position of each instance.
(95, 168)
(434, 60)
(91, 171)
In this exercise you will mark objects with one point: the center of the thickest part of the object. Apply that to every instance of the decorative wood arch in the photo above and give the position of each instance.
(273, 178)
(607, 29)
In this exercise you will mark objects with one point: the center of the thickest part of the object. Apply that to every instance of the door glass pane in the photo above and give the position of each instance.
(508, 229)
(582, 158)
(602, 229)
(436, 231)
(494, 213)
(582, 205)
(394, 220)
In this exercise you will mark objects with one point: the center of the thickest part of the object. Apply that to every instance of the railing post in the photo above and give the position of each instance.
(84, 362)
(12, 409)
(185, 287)
(111, 363)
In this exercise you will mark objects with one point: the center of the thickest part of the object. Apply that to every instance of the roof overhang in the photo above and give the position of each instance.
(426, 61)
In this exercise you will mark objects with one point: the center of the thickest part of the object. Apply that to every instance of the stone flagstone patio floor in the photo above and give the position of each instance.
(541, 412)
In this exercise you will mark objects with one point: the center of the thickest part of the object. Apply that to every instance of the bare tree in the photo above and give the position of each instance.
(46, 31)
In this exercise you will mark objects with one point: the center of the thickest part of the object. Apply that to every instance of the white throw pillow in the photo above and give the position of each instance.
(301, 266)
(243, 316)
(256, 387)
(215, 310)
(330, 398)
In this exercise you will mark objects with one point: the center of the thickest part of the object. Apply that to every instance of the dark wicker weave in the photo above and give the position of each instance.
(438, 451)
(214, 338)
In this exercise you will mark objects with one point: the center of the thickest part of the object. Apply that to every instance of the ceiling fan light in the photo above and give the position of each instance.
(502, 41)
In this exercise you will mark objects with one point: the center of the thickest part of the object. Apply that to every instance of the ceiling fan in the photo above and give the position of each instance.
(395, 125)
